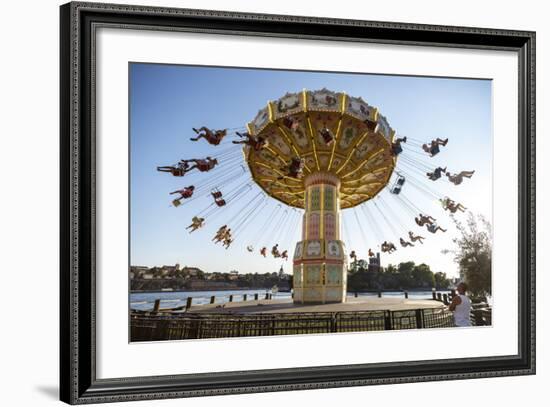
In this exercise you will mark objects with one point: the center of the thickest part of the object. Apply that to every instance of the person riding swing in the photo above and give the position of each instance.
(452, 206)
(396, 147)
(415, 238)
(421, 220)
(213, 137)
(177, 170)
(217, 195)
(327, 135)
(388, 247)
(220, 234)
(197, 223)
(404, 243)
(436, 174)
(185, 193)
(295, 168)
(433, 227)
(201, 164)
(255, 142)
(433, 148)
(458, 178)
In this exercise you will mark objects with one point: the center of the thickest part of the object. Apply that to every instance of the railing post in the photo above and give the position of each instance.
(419, 318)
(333, 327)
(379, 294)
(355, 294)
(439, 297)
(231, 298)
(156, 307)
(256, 297)
(433, 294)
(388, 320)
(267, 296)
(406, 294)
(445, 299)
(244, 297)
(188, 303)
(212, 299)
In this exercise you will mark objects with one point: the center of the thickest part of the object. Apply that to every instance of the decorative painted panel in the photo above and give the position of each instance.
(315, 198)
(278, 140)
(330, 226)
(313, 274)
(328, 204)
(313, 249)
(348, 134)
(323, 99)
(334, 250)
(313, 226)
(261, 119)
(384, 127)
(334, 274)
(289, 103)
(298, 250)
(357, 107)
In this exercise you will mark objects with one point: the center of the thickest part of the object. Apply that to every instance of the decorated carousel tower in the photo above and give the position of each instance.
(321, 151)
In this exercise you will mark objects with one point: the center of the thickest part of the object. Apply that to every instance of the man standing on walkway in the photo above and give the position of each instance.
(461, 306)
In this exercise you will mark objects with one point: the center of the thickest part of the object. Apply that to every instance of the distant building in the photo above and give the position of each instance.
(169, 271)
(191, 271)
(138, 271)
(374, 263)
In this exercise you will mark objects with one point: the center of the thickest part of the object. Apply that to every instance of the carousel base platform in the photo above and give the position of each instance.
(287, 306)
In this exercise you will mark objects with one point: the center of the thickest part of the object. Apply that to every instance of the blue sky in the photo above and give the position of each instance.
(166, 101)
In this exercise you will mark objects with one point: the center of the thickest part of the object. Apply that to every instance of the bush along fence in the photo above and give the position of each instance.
(198, 326)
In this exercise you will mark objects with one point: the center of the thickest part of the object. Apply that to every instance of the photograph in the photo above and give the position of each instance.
(274, 203)
(275, 200)
(268, 202)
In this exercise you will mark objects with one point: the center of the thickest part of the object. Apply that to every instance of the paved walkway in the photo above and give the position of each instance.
(287, 306)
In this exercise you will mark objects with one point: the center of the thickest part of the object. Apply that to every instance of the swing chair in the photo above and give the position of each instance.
(398, 185)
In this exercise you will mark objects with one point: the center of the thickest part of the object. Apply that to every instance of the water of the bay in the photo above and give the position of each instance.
(171, 299)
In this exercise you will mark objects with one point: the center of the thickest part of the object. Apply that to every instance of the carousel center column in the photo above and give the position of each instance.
(320, 269)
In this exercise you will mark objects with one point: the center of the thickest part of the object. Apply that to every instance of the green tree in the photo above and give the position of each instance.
(423, 276)
(405, 278)
(441, 280)
(473, 254)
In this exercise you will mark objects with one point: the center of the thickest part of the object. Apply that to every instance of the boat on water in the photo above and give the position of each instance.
(166, 289)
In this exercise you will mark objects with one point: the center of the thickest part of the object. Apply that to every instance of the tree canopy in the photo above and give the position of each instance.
(473, 254)
(407, 275)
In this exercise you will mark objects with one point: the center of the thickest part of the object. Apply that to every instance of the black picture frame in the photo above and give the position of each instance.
(78, 382)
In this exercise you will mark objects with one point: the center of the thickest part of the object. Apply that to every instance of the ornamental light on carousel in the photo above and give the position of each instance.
(321, 151)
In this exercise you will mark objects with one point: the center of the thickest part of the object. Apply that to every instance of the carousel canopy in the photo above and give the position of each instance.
(333, 133)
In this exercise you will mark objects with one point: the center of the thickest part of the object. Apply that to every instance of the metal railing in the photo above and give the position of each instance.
(202, 325)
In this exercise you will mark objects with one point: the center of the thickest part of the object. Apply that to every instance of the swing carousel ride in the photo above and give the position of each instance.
(309, 155)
